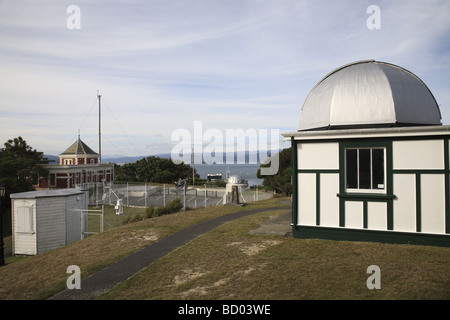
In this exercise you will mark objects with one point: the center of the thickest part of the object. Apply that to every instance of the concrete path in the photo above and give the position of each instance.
(106, 279)
(278, 226)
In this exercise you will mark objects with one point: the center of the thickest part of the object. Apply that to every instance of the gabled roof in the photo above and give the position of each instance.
(79, 147)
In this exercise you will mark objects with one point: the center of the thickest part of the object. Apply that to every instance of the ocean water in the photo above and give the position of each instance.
(246, 171)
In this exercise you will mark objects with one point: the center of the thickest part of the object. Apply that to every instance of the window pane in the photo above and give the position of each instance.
(378, 168)
(351, 157)
(364, 169)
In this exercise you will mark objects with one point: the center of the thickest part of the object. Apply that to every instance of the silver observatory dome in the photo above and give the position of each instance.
(369, 94)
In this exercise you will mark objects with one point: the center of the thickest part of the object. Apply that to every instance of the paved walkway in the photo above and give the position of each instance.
(106, 279)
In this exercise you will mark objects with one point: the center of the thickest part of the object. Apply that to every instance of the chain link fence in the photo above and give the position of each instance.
(146, 195)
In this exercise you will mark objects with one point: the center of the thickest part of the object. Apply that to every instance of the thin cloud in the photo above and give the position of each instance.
(161, 65)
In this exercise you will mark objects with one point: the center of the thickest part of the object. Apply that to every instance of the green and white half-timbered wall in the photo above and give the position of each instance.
(382, 184)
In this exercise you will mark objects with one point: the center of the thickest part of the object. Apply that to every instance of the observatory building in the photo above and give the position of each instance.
(371, 159)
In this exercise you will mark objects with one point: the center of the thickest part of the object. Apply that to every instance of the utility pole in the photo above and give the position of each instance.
(99, 129)
(193, 171)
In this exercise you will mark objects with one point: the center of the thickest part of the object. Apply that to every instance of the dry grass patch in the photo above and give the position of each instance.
(38, 277)
(231, 263)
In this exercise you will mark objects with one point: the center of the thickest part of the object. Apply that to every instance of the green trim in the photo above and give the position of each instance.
(294, 181)
(390, 215)
(366, 196)
(318, 171)
(342, 188)
(420, 171)
(387, 197)
(347, 234)
(418, 203)
(365, 214)
(447, 185)
(352, 139)
(318, 199)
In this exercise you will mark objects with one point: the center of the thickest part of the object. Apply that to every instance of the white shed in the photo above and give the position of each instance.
(45, 220)
(371, 160)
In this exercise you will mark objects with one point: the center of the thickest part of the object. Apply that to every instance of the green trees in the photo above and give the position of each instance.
(154, 169)
(19, 166)
(280, 182)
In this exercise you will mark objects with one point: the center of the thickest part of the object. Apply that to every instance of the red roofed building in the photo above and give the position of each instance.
(78, 165)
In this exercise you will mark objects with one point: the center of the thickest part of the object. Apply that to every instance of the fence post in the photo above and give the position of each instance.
(184, 201)
(102, 219)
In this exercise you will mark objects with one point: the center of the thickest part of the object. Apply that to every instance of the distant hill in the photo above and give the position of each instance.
(51, 159)
(122, 159)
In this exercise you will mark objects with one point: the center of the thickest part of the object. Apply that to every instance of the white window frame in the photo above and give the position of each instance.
(362, 190)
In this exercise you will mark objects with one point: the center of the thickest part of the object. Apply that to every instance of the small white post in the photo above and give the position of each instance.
(164, 195)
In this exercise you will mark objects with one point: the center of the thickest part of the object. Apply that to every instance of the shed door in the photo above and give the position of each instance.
(24, 228)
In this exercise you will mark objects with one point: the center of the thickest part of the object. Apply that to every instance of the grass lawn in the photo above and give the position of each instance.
(38, 277)
(231, 263)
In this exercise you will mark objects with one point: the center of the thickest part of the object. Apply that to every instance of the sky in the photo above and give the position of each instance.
(165, 65)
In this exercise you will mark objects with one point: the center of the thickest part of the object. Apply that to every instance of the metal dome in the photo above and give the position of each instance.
(235, 179)
(369, 94)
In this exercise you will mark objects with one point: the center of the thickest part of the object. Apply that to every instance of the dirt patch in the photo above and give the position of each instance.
(254, 248)
(144, 235)
(204, 290)
(188, 275)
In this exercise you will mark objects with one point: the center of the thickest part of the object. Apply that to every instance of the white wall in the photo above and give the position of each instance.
(318, 155)
(418, 154)
(51, 224)
(354, 214)
(306, 199)
(377, 215)
(413, 157)
(405, 203)
(433, 203)
(329, 202)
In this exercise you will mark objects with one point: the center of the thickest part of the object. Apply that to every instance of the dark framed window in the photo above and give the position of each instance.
(365, 168)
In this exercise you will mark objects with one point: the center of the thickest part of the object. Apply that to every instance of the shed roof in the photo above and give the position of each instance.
(369, 93)
(45, 194)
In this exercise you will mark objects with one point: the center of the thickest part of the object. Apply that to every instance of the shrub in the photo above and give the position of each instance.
(151, 212)
(174, 206)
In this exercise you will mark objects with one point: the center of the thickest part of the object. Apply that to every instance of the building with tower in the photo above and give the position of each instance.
(78, 165)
